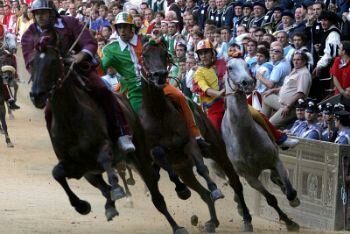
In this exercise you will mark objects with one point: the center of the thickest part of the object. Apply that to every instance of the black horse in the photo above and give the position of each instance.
(79, 134)
(7, 71)
(169, 137)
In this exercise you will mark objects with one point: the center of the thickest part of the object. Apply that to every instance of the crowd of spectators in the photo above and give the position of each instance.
(293, 49)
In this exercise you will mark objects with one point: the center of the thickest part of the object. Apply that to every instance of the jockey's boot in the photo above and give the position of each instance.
(288, 143)
(125, 144)
(13, 105)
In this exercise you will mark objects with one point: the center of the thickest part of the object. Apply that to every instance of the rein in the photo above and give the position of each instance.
(233, 91)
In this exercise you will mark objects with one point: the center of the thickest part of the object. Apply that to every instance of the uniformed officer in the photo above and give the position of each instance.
(327, 125)
(343, 124)
(312, 130)
(300, 123)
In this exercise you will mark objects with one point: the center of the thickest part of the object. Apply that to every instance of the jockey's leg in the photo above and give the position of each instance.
(216, 113)
(9, 97)
(179, 99)
(117, 125)
(275, 135)
(134, 93)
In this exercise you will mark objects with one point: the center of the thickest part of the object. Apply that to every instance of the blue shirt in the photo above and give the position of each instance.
(260, 87)
(298, 127)
(280, 70)
(343, 136)
(311, 132)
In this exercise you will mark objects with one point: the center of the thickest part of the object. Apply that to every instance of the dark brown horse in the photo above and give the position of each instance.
(169, 138)
(79, 134)
(6, 77)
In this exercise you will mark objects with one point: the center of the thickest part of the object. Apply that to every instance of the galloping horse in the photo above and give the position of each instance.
(6, 59)
(5, 77)
(249, 147)
(169, 138)
(79, 133)
(8, 56)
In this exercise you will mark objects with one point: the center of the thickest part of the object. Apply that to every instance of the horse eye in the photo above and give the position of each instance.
(230, 68)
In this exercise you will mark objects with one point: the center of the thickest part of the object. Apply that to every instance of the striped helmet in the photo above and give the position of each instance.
(123, 18)
(204, 44)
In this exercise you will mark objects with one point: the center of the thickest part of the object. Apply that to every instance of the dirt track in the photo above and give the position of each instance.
(32, 202)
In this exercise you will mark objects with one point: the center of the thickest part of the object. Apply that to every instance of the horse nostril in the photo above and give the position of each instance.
(244, 83)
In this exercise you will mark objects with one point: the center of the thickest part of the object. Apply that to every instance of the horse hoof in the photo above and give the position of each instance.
(10, 145)
(129, 203)
(293, 226)
(181, 230)
(216, 194)
(247, 227)
(83, 207)
(194, 220)
(117, 193)
(209, 227)
(295, 202)
(130, 181)
(111, 213)
(184, 194)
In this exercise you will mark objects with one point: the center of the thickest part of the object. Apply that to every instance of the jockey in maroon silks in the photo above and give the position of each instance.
(48, 20)
(10, 67)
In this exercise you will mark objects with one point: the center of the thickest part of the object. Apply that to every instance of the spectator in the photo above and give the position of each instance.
(328, 50)
(299, 41)
(259, 14)
(340, 72)
(283, 38)
(262, 71)
(295, 86)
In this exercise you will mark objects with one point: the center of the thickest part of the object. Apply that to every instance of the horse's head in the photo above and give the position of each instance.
(238, 76)
(155, 59)
(46, 71)
(10, 42)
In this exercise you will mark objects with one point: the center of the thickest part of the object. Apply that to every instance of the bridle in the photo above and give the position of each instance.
(145, 73)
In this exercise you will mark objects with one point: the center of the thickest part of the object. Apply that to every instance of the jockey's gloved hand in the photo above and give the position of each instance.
(80, 57)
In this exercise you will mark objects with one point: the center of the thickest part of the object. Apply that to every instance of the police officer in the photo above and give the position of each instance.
(312, 130)
(300, 124)
(343, 124)
(327, 125)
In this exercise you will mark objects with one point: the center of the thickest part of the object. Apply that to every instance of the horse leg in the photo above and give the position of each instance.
(286, 186)
(105, 160)
(60, 174)
(187, 176)
(4, 126)
(151, 178)
(160, 157)
(98, 182)
(130, 180)
(272, 201)
(121, 168)
(203, 171)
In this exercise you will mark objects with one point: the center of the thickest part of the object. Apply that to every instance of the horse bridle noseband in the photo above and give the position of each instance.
(145, 73)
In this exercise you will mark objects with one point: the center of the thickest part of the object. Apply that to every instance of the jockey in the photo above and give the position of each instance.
(10, 67)
(208, 85)
(124, 56)
(46, 18)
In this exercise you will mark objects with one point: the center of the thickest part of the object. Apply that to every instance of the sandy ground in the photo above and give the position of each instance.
(32, 202)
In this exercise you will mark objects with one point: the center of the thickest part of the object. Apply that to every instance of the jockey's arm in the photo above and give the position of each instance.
(214, 93)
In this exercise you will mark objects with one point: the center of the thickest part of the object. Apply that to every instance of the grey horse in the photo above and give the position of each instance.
(248, 145)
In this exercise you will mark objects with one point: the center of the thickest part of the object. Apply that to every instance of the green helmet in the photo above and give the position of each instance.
(124, 18)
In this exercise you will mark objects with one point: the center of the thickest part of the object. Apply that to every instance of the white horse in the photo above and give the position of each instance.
(9, 45)
(248, 145)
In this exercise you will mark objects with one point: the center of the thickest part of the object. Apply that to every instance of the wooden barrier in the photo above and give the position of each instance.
(315, 170)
